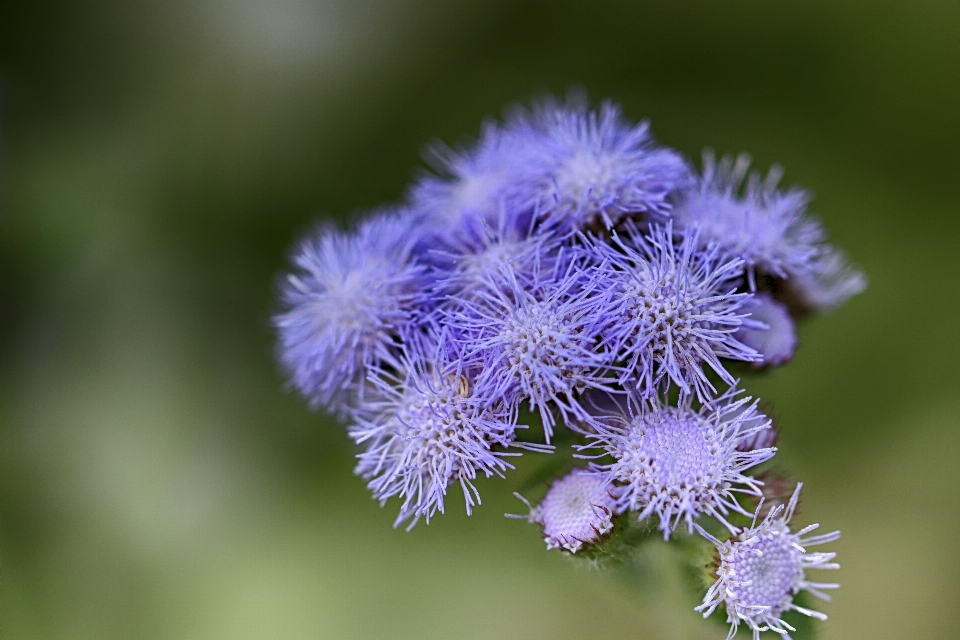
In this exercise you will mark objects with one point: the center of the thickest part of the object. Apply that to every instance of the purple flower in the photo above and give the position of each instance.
(350, 295)
(586, 167)
(767, 228)
(677, 463)
(763, 567)
(474, 182)
(675, 309)
(535, 342)
(463, 262)
(425, 428)
(577, 511)
(776, 339)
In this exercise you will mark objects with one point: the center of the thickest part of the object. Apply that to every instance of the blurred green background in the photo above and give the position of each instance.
(157, 159)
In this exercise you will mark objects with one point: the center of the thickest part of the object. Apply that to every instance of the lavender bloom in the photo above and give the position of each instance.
(462, 262)
(675, 309)
(576, 511)
(767, 228)
(678, 463)
(763, 567)
(776, 340)
(473, 182)
(347, 300)
(426, 429)
(586, 167)
(535, 343)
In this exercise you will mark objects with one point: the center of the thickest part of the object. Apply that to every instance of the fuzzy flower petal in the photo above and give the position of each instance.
(425, 430)
(763, 567)
(345, 304)
(675, 309)
(678, 464)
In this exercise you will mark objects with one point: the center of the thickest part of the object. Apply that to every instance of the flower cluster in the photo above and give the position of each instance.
(569, 268)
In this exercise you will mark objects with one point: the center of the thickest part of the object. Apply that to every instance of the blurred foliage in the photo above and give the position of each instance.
(158, 158)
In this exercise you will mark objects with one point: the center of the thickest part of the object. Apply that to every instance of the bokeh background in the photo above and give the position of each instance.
(158, 158)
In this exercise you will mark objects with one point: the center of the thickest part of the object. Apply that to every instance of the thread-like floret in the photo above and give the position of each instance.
(350, 296)
(675, 308)
(535, 343)
(763, 567)
(427, 429)
(677, 463)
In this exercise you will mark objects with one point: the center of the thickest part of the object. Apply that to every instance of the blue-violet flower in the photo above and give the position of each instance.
(767, 228)
(536, 343)
(577, 511)
(763, 567)
(425, 429)
(586, 167)
(350, 295)
(678, 463)
(675, 309)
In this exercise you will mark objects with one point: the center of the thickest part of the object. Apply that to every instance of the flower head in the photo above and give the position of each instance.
(771, 332)
(763, 567)
(534, 342)
(474, 182)
(577, 511)
(345, 304)
(591, 166)
(465, 261)
(765, 227)
(677, 463)
(675, 309)
(426, 429)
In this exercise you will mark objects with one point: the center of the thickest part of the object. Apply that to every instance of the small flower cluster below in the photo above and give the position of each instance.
(569, 266)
